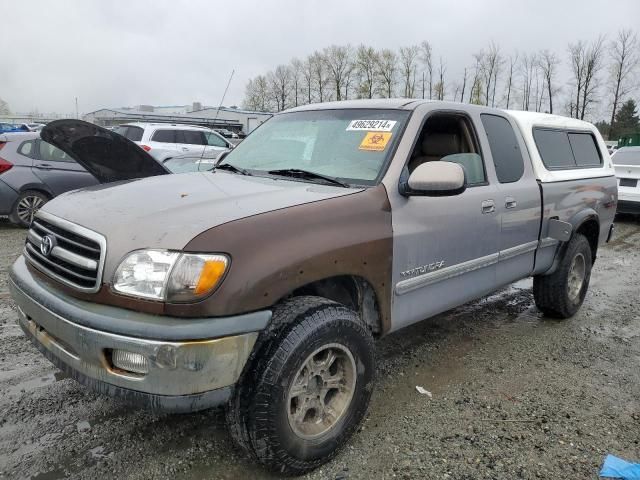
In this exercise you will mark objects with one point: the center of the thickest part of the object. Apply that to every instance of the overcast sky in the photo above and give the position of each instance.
(167, 52)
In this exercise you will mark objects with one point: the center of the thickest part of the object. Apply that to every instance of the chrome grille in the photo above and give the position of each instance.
(72, 254)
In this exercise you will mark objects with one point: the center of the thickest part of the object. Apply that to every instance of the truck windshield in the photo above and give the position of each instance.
(351, 145)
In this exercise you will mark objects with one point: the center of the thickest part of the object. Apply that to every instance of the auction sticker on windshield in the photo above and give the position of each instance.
(375, 141)
(372, 125)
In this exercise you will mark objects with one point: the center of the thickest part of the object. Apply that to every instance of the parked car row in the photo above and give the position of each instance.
(162, 137)
(33, 171)
(22, 127)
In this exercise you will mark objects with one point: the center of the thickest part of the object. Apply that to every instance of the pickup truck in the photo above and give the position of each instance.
(262, 285)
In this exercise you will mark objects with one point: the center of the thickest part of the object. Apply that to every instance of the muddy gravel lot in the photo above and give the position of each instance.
(514, 395)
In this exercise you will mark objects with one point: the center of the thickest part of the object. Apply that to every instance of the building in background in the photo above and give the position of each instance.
(231, 118)
(248, 118)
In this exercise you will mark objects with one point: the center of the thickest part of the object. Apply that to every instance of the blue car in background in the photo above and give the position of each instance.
(10, 127)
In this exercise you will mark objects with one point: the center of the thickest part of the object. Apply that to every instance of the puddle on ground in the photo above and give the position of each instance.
(52, 475)
(33, 383)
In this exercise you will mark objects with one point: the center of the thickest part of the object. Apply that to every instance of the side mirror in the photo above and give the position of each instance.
(436, 178)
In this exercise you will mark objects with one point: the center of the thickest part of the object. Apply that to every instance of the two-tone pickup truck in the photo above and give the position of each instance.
(262, 285)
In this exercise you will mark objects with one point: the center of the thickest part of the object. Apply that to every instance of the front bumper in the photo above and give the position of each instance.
(627, 206)
(187, 370)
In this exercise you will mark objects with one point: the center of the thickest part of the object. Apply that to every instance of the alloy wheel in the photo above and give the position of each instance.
(28, 207)
(321, 391)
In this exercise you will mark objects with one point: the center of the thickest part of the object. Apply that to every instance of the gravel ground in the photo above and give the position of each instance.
(515, 395)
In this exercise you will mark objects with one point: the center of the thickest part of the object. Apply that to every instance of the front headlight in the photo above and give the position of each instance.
(170, 276)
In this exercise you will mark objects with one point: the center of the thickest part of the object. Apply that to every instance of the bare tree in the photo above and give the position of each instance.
(349, 78)
(408, 64)
(339, 63)
(593, 63)
(387, 69)
(464, 84)
(528, 66)
(549, 63)
(496, 73)
(513, 62)
(280, 86)
(296, 69)
(426, 57)
(624, 53)
(577, 56)
(320, 76)
(456, 90)
(308, 78)
(538, 96)
(491, 63)
(366, 66)
(440, 87)
(475, 93)
(257, 94)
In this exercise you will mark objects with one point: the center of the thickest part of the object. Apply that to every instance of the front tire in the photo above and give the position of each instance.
(561, 294)
(307, 387)
(26, 206)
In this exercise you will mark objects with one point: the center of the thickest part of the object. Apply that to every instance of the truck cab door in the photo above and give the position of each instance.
(445, 248)
(518, 200)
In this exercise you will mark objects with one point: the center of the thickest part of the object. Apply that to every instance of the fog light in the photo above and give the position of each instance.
(129, 361)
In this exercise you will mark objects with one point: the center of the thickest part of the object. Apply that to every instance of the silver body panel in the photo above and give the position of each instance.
(574, 202)
(478, 253)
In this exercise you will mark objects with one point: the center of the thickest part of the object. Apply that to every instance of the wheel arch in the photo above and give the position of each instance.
(39, 187)
(587, 223)
(353, 291)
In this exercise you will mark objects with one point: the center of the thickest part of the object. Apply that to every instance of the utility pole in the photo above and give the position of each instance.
(77, 117)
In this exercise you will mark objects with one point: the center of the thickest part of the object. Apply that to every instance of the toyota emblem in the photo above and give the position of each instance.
(46, 245)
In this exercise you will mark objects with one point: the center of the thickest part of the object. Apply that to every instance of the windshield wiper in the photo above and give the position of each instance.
(231, 168)
(306, 174)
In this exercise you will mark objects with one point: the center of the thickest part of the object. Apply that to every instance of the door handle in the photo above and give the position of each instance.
(510, 202)
(184, 149)
(43, 166)
(488, 206)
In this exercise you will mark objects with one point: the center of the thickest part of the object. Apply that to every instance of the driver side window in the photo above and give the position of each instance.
(450, 138)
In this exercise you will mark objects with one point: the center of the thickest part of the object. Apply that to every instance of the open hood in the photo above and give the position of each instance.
(108, 156)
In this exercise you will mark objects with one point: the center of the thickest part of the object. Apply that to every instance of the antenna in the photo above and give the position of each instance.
(204, 147)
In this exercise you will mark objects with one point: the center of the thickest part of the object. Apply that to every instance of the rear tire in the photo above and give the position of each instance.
(306, 388)
(26, 206)
(560, 294)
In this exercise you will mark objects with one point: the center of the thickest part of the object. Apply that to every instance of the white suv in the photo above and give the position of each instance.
(161, 139)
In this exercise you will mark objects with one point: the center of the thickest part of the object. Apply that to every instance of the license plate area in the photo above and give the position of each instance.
(628, 182)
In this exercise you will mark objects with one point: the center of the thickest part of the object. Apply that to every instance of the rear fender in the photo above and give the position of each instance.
(577, 221)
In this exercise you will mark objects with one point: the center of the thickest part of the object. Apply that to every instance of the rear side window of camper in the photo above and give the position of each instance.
(562, 150)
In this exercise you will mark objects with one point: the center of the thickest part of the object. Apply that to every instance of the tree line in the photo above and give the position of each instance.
(603, 74)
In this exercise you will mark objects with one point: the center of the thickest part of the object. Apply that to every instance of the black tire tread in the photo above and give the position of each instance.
(291, 320)
(549, 291)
